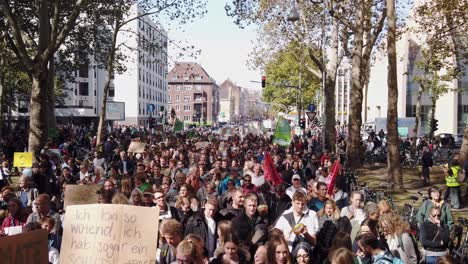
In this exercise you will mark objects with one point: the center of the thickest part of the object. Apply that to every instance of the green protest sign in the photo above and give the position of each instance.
(179, 126)
(282, 134)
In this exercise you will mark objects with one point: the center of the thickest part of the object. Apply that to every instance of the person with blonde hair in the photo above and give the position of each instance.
(384, 207)
(277, 251)
(119, 198)
(188, 253)
(396, 231)
(329, 212)
(224, 230)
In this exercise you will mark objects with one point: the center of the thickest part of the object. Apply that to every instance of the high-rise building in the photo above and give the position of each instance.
(193, 94)
(143, 86)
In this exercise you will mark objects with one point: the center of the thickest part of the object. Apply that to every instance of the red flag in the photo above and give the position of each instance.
(336, 167)
(269, 170)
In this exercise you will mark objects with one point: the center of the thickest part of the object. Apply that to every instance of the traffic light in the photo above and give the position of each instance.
(303, 123)
(263, 81)
(435, 125)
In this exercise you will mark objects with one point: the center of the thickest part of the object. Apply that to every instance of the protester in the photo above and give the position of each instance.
(369, 246)
(188, 252)
(42, 204)
(172, 232)
(329, 212)
(204, 224)
(434, 236)
(435, 201)
(17, 215)
(277, 251)
(298, 222)
(398, 238)
(354, 212)
(302, 253)
(27, 193)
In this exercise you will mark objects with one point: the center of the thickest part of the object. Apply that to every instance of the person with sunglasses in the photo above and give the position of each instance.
(296, 186)
(434, 237)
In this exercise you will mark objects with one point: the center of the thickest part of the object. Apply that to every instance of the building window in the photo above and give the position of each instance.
(178, 88)
(177, 98)
(177, 108)
(169, 98)
(186, 118)
(111, 91)
(83, 70)
(186, 107)
(83, 89)
(187, 98)
(169, 88)
(188, 87)
(174, 77)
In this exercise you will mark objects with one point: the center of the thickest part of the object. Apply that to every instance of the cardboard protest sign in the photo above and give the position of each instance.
(29, 247)
(81, 194)
(202, 145)
(22, 159)
(109, 233)
(136, 147)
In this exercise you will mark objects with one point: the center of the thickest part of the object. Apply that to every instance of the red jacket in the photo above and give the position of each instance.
(11, 221)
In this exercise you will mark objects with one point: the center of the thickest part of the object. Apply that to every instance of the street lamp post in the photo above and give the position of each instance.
(293, 17)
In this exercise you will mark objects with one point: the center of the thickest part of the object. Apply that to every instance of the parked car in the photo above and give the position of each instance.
(458, 140)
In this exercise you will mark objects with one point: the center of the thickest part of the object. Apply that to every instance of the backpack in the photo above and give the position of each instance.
(415, 245)
(395, 260)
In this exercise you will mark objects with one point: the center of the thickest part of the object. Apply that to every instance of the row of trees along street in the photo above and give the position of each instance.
(357, 30)
(43, 42)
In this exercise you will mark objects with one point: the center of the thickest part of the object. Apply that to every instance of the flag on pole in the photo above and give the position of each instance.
(179, 126)
(282, 134)
(331, 184)
(269, 170)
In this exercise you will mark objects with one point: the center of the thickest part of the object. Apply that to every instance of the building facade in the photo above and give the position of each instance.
(83, 101)
(230, 102)
(143, 86)
(451, 108)
(193, 94)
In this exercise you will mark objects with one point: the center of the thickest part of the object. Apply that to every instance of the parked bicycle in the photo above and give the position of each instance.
(458, 245)
(409, 212)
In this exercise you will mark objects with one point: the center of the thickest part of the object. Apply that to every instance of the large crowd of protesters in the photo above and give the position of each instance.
(240, 199)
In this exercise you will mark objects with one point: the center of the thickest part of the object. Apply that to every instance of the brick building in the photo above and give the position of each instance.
(193, 94)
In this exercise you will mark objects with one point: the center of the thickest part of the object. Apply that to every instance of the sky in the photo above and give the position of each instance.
(224, 46)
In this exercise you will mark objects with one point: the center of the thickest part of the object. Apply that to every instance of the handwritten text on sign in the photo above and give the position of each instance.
(110, 234)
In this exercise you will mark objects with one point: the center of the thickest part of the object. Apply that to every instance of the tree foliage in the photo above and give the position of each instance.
(284, 69)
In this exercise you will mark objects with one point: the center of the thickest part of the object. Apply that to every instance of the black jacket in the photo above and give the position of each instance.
(197, 225)
(432, 236)
(245, 228)
(229, 212)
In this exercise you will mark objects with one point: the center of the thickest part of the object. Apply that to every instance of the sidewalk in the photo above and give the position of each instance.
(374, 175)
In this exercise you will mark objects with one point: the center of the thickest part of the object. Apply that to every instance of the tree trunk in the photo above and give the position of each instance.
(110, 69)
(464, 147)
(394, 166)
(38, 112)
(332, 66)
(354, 152)
(52, 121)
